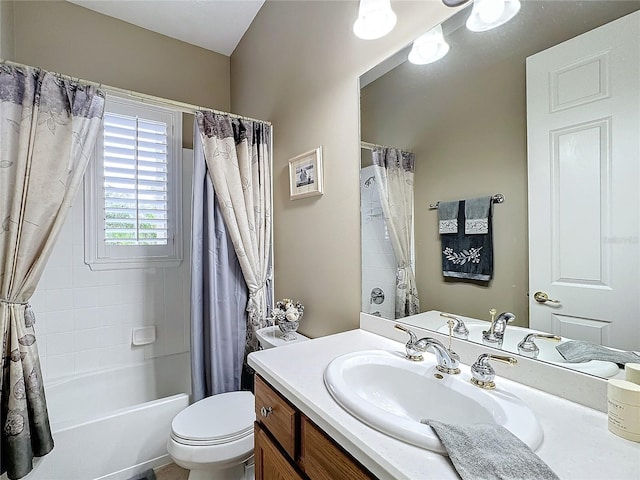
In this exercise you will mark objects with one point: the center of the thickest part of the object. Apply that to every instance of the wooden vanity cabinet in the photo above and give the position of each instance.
(288, 446)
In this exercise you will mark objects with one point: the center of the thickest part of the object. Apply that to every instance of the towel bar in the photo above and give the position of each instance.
(497, 198)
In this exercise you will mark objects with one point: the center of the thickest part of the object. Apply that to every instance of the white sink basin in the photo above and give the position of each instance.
(548, 353)
(393, 395)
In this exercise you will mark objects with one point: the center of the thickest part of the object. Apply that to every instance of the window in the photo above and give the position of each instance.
(132, 188)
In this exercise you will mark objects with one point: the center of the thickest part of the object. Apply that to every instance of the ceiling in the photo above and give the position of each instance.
(217, 25)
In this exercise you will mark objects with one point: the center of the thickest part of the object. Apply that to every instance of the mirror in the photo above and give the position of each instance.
(465, 119)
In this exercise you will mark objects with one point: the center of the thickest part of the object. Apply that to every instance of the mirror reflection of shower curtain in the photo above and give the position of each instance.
(394, 170)
(378, 259)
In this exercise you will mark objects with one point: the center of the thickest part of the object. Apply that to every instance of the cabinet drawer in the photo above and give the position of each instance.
(276, 415)
(321, 459)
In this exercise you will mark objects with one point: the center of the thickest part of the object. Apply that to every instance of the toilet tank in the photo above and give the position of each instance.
(270, 337)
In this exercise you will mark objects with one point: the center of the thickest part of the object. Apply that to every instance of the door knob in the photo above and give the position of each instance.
(542, 297)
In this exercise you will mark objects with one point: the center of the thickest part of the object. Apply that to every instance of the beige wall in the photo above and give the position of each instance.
(298, 66)
(86, 317)
(6, 29)
(65, 38)
(468, 142)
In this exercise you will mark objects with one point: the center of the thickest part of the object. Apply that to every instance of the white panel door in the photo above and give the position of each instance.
(583, 126)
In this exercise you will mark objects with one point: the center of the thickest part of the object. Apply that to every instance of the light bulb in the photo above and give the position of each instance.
(375, 19)
(488, 14)
(429, 47)
(490, 10)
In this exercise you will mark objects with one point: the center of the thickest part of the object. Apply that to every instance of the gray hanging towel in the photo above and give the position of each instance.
(486, 451)
(476, 215)
(448, 217)
(468, 252)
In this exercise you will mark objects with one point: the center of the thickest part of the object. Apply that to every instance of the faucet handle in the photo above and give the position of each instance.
(528, 348)
(412, 352)
(483, 374)
(460, 330)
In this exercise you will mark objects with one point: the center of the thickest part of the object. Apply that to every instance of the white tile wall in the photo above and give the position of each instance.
(84, 318)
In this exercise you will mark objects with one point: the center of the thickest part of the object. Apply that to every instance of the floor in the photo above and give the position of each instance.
(171, 472)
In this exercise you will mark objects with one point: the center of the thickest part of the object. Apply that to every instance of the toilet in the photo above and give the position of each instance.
(213, 438)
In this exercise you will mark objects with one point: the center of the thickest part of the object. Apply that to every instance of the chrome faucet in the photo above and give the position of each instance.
(483, 374)
(460, 330)
(448, 360)
(495, 335)
(528, 348)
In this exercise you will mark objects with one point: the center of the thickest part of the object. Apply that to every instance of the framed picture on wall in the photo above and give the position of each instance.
(305, 175)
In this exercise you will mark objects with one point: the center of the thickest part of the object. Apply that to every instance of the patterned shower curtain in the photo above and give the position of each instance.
(238, 157)
(48, 128)
(394, 170)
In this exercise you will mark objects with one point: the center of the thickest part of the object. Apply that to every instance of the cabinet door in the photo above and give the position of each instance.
(322, 459)
(270, 463)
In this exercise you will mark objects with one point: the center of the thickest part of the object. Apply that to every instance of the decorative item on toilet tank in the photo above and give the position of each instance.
(287, 314)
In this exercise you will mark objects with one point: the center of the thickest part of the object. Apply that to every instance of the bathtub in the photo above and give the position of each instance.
(113, 424)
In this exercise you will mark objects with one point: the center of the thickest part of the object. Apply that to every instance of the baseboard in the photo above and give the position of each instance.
(129, 472)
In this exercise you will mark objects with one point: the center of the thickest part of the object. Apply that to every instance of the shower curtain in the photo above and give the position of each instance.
(238, 161)
(394, 170)
(219, 293)
(48, 128)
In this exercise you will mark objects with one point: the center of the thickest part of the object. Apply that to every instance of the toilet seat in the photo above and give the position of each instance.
(215, 420)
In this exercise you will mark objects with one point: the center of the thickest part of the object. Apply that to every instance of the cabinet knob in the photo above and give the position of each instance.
(266, 411)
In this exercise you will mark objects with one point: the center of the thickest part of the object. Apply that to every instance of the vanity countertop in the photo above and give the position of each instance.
(577, 443)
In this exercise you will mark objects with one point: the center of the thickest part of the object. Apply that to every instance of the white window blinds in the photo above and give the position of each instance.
(135, 181)
(133, 188)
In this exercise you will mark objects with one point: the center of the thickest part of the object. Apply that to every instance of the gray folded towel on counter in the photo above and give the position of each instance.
(486, 451)
(576, 351)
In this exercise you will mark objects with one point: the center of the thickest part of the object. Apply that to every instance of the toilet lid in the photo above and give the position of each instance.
(215, 420)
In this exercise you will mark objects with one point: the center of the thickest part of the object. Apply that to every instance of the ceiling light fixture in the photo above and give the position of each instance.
(488, 14)
(375, 19)
(429, 48)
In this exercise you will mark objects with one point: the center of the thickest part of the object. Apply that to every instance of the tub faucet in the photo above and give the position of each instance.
(495, 335)
(448, 360)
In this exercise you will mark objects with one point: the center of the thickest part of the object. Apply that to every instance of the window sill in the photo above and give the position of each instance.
(133, 263)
